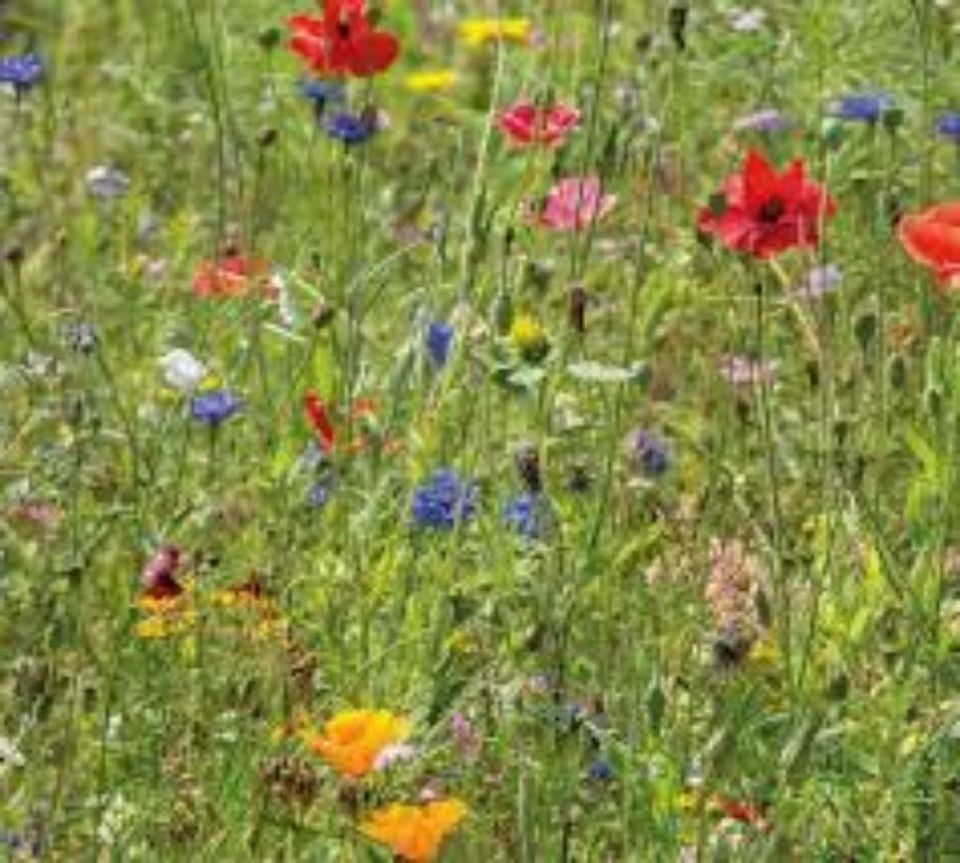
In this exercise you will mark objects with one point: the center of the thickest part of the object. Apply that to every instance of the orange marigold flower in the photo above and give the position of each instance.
(415, 833)
(353, 739)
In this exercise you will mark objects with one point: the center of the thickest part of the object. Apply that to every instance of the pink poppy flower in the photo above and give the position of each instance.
(574, 204)
(526, 124)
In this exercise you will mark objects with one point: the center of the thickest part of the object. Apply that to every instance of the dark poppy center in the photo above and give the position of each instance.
(343, 28)
(772, 210)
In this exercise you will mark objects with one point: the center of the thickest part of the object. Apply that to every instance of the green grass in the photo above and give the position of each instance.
(840, 478)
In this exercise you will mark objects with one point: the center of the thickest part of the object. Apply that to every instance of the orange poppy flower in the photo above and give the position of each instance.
(932, 238)
(232, 277)
(415, 833)
(363, 411)
(352, 741)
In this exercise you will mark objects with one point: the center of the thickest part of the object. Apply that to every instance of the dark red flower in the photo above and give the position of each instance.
(932, 238)
(158, 577)
(343, 41)
(764, 213)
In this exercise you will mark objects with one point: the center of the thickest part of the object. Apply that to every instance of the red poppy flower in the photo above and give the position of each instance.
(932, 238)
(233, 276)
(343, 41)
(741, 810)
(526, 124)
(764, 213)
(363, 411)
(320, 421)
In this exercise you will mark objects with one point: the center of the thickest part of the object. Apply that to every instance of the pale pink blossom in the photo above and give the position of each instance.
(574, 204)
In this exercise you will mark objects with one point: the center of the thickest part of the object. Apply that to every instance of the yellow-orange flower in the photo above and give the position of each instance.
(174, 620)
(415, 833)
(480, 31)
(431, 81)
(352, 740)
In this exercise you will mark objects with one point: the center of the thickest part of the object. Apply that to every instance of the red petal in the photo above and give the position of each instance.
(320, 420)
(308, 24)
(373, 53)
(929, 242)
(759, 178)
(945, 214)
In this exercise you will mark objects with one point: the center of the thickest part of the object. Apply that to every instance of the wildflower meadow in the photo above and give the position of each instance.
(480, 430)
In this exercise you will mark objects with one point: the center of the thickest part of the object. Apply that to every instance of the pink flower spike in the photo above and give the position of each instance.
(574, 204)
(526, 124)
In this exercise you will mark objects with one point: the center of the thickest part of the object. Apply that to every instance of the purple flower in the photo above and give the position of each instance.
(319, 494)
(353, 128)
(764, 120)
(602, 770)
(528, 515)
(647, 453)
(444, 501)
(215, 407)
(465, 736)
(439, 342)
(23, 71)
(948, 125)
(321, 92)
(863, 107)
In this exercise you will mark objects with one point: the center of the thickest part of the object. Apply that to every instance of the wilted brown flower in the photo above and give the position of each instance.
(731, 592)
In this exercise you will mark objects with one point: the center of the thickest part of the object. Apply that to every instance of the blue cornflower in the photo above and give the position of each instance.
(320, 93)
(319, 494)
(444, 500)
(352, 128)
(647, 453)
(528, 515)
(23, 72)
(439, 342)
(863, 107)
(214, 407)
(948, 125)
(602, 770)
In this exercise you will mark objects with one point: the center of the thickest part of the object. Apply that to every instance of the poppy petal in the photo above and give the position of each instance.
(759, 178)
(320, 420)
(373, 53)
(945, 214)
(930, 242)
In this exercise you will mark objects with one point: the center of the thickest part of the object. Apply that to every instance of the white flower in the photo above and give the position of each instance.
(10, 756)
(395, 753)
(748, 20)
(182, 370)
(105, 182)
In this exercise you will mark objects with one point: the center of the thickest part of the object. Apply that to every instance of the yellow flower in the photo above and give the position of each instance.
(529, 338)
(481, 31)
(435, 81)
(167, 623)
(353, 739)
(415, 833)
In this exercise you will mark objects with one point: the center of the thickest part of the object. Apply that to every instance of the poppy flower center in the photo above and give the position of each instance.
(772, 210)
(343, 27)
